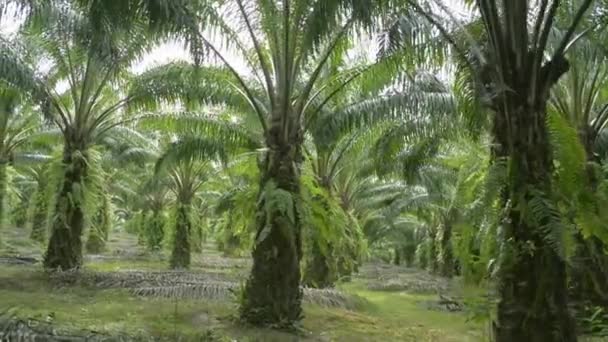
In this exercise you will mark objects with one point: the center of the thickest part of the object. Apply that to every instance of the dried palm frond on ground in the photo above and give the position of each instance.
(386, 277)
(332, 298)
(20, 330)
(225, 290)
(186, 285)
(18, 260)
(133, 279)
(409, 284)
(223, 262)
(210, 290)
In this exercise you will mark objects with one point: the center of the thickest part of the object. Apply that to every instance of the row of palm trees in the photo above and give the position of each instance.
(302, 85)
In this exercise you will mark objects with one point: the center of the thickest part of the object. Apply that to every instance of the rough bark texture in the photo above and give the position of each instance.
(65, 245)
(180, 255)
(533, 303)
(272, 295)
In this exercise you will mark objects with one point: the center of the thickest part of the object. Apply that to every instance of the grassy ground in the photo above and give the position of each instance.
(381, 316)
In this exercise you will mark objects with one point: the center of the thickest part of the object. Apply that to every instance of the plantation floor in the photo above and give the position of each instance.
(386, 303)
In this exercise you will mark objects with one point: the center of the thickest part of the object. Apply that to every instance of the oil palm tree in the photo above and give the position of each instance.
(515, 79)
(285, 47)
(92, 58)
(16, 125)
(186, 180)
(580, 102)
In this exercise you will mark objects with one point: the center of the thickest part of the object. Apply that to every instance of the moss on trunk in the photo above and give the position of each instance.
(445, 253)
(100, 229)
(197, 237)
(155, 230)
(39, 213)
(3, 189)
(65, 244)
(533, 304)
(272, 295)
(180, 255)
(318, 273)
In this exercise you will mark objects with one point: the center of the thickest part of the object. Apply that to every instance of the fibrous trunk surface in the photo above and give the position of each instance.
(533, 294)
(272, 295)
(180, 256)
(65, 245)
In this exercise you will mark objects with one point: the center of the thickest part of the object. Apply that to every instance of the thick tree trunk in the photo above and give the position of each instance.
(95, 242)
(433, 264)
(39, 214)
(396, 256)
(100, 229)
(533, 303)
(3, 189)
(180, 256)
(65, 245)
(589, 271)
(272, 295)
(446, 255)
(141, 227)
(318, 273)
(155, 230)
(197, 238)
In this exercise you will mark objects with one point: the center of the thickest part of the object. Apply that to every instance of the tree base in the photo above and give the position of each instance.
(272, 296)
(64, 251)
(180, 256)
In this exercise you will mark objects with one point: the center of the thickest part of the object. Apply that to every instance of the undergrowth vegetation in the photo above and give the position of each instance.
(391, 170)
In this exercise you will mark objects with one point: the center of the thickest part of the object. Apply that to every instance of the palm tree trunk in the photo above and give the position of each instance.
(141, 226)
(155, 230)
(396, 256)
(433, 265)
(99, 231)
(446, 255)
(533, 298)
(3, 189)
(317, 273)
(589, 271)
(39, 214)
(272, 295)
(180, 256)
(65, 245)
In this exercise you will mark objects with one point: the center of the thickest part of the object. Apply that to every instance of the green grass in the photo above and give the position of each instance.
(28, 294)
(382, 316)
(386, 316)
(396, 316)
